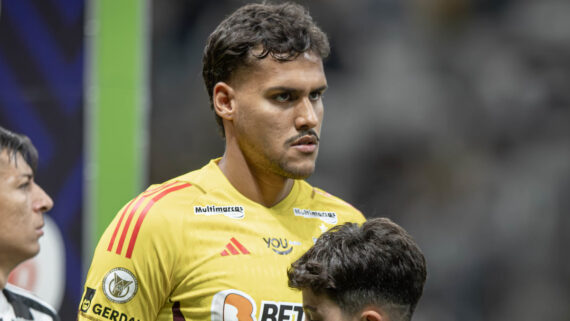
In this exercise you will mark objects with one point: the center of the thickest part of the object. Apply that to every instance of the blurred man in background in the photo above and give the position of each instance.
(215, 244)
(22, 204)
(372, 272)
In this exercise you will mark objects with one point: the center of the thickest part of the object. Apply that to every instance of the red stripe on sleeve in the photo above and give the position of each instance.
(240, 247)
(132, 214)
(110, 247)
(145, 211)
(158, 188)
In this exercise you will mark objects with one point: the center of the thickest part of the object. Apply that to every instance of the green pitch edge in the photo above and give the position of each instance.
(116, 108)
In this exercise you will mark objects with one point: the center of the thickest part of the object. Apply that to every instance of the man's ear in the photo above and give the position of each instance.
(223, 99)
(373, 314)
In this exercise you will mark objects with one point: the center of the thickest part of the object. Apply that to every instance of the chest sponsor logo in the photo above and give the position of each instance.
(281, 311)
(234, 305)
(111, 314)
(234, 211)
(120, 285)
(280, 245)
(327, 217)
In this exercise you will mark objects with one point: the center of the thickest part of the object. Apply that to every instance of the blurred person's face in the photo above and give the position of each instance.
(277, 113)
(22, 203)
(319, 307)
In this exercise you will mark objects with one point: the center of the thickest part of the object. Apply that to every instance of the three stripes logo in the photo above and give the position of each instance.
(234, 248)
(138, 208)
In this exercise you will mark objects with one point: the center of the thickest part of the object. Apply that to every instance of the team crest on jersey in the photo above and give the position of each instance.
(120, 285)
(327, 217)
(280, 245)
(234, 211)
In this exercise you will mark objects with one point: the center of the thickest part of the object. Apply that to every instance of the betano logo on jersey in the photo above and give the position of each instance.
(234, 211)
(327, 217)
(280, 245)
(234, 305)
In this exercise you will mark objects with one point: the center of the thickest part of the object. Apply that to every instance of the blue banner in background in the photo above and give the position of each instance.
(41, 96)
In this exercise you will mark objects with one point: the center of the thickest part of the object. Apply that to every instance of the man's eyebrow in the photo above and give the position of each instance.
(291, 89)
(282, 88)
(322, 88)
(27, 175)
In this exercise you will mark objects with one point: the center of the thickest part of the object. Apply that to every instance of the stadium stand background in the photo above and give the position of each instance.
(449, 116)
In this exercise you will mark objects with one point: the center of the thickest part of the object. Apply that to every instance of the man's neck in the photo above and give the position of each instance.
(258, 185)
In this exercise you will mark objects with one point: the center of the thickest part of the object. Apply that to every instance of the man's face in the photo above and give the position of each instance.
(319, 307)
(278, 114)
(22, 205)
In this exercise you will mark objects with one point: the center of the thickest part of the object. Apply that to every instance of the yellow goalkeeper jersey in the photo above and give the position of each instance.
(194, 248)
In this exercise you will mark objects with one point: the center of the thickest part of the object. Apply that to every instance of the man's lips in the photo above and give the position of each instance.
(40, 229)
(306, 144)
(306, 140)
(307, 137)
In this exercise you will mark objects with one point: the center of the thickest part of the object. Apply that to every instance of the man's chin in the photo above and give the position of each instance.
(298, 172)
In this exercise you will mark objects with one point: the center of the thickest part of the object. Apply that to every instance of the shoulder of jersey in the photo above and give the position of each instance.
(327, 198)
(180, 190)
(191, 183)
(28, 297)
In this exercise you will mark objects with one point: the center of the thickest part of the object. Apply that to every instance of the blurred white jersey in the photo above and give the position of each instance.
(17, 304)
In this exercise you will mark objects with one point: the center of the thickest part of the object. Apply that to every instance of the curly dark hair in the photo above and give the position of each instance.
(18, 144)
(282, 31)
(377, 263)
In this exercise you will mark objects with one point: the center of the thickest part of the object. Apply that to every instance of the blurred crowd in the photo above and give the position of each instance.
(451, 117)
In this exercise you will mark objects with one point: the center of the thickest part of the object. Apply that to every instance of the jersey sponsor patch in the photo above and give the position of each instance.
(110, 313)
(280, 311)
(87, 298)
(234, 211)
(232, 305)
(280, 245)
(120, 285)
(327, 217)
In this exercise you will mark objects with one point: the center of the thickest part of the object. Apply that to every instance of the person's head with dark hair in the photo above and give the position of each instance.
(255, 32)
(373, 272)
(263, 69)
(23, 202)
(15, 144)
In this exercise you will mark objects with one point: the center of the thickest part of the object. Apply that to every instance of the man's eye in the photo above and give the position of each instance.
(283, 97)
(314, 96)
(24, 185)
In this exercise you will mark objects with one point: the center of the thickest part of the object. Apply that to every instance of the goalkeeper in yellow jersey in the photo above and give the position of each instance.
(215, 243)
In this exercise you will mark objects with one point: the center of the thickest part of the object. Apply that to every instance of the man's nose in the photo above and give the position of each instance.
(306, 115)
(41, 202)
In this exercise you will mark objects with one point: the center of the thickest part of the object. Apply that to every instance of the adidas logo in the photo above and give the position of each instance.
(234, 248)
